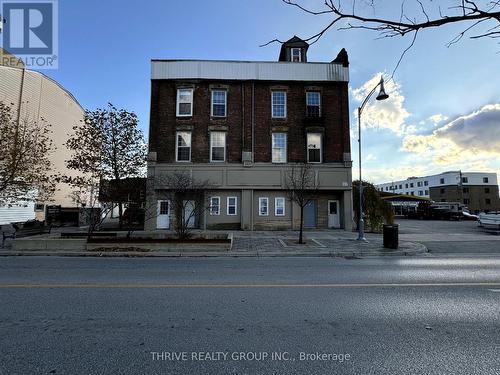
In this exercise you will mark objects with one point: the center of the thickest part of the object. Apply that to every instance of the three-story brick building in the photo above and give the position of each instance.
(242, 125)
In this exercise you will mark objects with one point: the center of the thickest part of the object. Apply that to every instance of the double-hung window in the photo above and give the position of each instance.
(232, 206)
(219, 103)
(184, 102)
(313, 104)
(279, 147)
(183, 146)
(296, 55)
(215, 206)
(217, 146)
(314, 148)
(263, 206)
(278, 104)
(279, 206)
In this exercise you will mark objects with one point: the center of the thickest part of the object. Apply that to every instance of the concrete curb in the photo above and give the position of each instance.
(409, 249)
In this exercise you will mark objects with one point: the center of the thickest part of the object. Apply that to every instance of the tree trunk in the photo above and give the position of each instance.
(120, 215)
(301, 224)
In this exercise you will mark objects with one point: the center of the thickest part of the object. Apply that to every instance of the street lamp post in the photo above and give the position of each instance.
(382, 95)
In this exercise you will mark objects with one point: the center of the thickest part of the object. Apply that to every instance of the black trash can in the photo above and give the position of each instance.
(391, 236)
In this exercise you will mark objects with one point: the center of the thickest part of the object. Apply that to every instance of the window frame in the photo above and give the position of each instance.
(177, 146)
(273, 104)
(211, 147)
(262, 199)
(162, 202)
(177, 105)
(211, 206)
(292, 55)
(285, 148)
(320, 148)
(276, 206)
(212, 103)
(308, 105)
(235, 206)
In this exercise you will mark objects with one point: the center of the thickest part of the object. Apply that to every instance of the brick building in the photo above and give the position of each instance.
(242, 125)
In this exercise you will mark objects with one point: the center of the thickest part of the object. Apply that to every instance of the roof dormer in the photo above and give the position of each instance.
(294, 50)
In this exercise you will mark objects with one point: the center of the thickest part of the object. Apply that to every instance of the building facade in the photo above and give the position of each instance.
(476, 190)
(242, 126)
(37, 97)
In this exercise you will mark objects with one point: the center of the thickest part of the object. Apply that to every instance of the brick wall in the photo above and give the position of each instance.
(242, 96)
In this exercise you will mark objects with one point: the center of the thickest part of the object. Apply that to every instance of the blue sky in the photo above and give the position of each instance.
(106, 48)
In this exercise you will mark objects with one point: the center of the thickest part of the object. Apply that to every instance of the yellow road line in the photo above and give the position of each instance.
(228, 286)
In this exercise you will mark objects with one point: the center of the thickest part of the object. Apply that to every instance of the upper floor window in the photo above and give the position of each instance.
(217, 146)
(314, 148)
(296, 55)
(419, 183)
(183, 146)
(465, 180)
(485, 180)
(219, 103)
(426, 183)
(411, 184)
(441, 180)
(278, 104)
(486, 190)
(313, 104)
(184, 102)
(279, 147)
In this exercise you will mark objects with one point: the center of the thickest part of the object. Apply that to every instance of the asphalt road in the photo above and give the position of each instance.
(378, 316)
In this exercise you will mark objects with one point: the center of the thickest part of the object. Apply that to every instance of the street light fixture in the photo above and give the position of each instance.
(382, 95)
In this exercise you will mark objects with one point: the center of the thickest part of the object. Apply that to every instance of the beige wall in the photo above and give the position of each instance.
(43, 98)
(271, 221)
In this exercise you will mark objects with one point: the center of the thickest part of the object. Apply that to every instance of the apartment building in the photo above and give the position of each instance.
(477, 190)
(34, 96)
(242, 125)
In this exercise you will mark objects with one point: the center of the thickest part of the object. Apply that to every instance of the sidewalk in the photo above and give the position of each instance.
(326, 243)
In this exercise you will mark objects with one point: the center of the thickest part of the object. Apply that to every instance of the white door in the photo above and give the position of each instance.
(333, 214)
(189, 214)
(163, 217)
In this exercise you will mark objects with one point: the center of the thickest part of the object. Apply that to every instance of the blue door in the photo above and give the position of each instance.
(310, 215)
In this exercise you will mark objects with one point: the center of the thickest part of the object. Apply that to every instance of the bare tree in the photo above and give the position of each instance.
(188, 200)
(481, 18)
(302, 187)
(25, 147)
(108, 146)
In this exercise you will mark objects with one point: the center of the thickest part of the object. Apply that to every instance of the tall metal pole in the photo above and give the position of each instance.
(381, 96)
(361, 222)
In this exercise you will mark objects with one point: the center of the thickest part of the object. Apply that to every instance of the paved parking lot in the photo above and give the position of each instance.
(443, 237)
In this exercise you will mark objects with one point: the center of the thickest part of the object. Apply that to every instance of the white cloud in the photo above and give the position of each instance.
(387, 114)
(437, 118)
(382, 175)
(471, 140)
(370, 157)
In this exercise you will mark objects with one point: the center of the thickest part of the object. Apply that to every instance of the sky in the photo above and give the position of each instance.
(444, 107)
